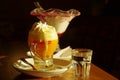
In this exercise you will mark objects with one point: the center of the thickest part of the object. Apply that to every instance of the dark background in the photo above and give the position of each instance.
(96, 28)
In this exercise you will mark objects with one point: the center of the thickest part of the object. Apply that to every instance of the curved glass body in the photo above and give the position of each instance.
(43, 41)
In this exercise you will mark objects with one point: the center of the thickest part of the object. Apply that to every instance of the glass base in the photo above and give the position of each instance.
(43, 65)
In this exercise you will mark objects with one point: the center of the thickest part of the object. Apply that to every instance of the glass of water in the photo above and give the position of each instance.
(81, 62)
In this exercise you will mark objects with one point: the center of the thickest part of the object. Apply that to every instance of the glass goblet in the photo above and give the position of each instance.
(43, 40)
(55, 17)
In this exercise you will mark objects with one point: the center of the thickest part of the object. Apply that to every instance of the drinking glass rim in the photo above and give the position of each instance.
(82, 51)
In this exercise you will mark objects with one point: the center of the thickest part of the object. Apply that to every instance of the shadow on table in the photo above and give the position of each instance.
(25, 77)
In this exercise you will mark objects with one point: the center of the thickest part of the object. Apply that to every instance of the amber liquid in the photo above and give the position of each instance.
(39, 48)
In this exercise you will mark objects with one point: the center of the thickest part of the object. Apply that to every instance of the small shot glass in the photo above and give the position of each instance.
(81, 62)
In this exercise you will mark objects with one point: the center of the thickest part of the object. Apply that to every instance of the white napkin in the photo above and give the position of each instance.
(64, 53)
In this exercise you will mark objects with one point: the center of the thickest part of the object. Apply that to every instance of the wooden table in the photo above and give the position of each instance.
(7, 72)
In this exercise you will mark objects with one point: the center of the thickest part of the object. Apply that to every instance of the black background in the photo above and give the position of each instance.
(96, 28)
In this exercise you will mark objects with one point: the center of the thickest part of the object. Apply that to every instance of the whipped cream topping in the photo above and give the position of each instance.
(42, 31)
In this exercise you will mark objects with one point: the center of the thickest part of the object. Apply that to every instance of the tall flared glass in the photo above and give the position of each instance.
(55, 17)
